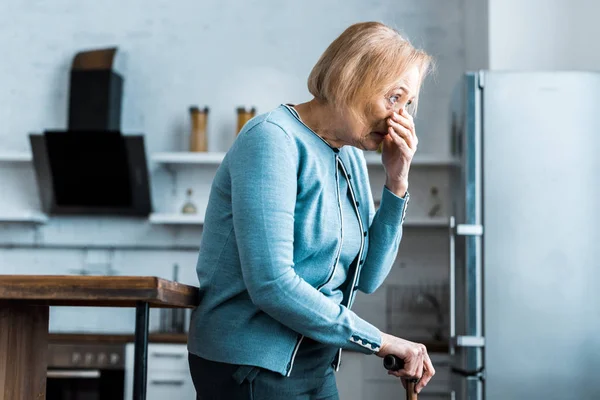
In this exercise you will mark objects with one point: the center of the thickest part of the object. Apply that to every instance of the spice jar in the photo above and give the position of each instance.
(244, 115)
(198, 140)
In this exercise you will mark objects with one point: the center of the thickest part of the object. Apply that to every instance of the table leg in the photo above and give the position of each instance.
(140, 367)
(23, 351)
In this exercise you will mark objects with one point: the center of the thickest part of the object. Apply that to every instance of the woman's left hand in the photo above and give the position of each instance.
(399, 147)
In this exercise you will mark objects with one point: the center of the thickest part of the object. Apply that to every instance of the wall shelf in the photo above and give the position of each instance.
(15, 156)
(208, 158)
(24, 217)
(215, 158)
(423, 160)
(198, 219)
(181, 157)
(182, 219)
(175, 219)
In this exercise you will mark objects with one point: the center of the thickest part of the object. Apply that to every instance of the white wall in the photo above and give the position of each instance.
(544, 34)
(220, 53)
(476, 34)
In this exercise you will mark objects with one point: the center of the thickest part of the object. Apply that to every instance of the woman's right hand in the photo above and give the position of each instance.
(417, 363)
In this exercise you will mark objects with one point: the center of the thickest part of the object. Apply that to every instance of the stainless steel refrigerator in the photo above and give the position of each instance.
(525, 237)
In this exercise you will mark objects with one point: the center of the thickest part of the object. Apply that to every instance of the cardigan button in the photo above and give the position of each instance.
(365, 232)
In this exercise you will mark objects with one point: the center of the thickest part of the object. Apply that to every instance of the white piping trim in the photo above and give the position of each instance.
(337, 259)
(362, 235)
(294, 355)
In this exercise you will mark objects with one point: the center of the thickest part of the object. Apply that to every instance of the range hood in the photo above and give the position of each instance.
(92, 168)
(91, 173)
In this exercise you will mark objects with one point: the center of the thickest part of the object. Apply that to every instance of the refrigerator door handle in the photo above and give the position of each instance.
(459, 230)
(468, 341)
(469, 230)
(452, 283)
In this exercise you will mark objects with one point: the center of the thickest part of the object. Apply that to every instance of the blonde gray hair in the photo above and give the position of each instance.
(364, 62)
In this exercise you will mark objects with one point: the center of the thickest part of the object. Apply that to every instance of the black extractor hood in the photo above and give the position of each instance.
(92, 168)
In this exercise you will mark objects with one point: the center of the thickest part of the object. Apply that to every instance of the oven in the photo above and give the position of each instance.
(85, 371)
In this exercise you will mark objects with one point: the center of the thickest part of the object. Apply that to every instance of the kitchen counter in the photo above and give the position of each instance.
(24, 312)
(97, 291)
(433, 346)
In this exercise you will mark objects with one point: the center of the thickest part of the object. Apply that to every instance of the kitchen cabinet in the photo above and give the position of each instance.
(164, 385)
(168, 372)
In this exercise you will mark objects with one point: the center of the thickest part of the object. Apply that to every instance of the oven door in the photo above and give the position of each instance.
(84, 384)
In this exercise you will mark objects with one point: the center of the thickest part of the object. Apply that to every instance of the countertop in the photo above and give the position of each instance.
(98, 291)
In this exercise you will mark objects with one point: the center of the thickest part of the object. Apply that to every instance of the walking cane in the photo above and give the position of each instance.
(393, 363)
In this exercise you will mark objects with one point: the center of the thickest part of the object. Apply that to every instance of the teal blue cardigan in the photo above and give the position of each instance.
(272, 234)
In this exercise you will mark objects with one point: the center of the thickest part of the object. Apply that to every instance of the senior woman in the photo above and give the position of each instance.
(291, 232)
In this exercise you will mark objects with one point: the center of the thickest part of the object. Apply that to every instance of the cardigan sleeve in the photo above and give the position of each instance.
(385, 233)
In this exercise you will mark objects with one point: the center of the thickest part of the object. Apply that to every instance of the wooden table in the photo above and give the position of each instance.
(24, 310)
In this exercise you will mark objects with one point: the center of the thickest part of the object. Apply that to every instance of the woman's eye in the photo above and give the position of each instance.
(408, 103)
(394, 99)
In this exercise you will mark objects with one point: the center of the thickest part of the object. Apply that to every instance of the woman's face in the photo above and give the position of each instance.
(370, 134)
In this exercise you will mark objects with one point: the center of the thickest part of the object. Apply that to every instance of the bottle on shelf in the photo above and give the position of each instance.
(189, 207)
(244, 115)
(199, 119)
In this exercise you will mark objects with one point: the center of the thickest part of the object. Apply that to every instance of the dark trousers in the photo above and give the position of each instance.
(312, 378)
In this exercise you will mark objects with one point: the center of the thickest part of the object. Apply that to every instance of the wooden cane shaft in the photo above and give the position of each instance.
(410, 390)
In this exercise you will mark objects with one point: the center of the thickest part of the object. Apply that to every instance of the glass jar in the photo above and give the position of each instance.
(244, 115)
(199, 119)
